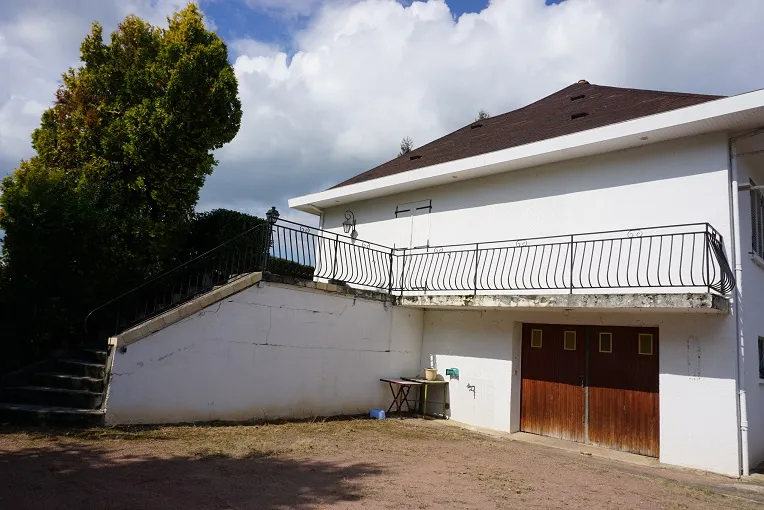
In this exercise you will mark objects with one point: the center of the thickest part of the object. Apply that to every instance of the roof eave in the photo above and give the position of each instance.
(726, 114)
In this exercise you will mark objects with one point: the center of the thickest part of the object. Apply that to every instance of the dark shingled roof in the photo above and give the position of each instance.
(579, 107)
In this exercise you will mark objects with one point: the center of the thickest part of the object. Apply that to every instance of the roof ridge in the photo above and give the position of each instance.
(655, 91)
(545, 118)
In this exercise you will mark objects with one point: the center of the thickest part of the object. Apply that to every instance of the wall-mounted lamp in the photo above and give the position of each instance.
(349, 224)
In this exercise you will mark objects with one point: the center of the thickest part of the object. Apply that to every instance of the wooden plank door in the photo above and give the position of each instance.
(553, 375)
(623, 389)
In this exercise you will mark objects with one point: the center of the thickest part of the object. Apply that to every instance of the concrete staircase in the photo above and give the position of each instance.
(65, 390)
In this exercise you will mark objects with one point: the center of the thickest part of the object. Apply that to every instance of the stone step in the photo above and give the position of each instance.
(27, 414)
(90, 355)
(76, 367)
(68, 381)
(55, 397)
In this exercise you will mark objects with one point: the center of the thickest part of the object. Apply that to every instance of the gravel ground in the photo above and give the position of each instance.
(395, 464)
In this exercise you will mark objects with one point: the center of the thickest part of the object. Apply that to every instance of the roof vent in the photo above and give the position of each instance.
(576, 98)
(415, 156)
(578, 115)
(475, 126)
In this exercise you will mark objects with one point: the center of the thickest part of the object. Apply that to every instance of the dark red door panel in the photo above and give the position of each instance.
(552, 394)
(623, 390)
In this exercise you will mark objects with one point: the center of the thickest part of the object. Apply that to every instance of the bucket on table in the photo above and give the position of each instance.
(430, 374)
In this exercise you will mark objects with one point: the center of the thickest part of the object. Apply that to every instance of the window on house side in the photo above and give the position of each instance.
(536, 338)
(570, 341)
(757, 222)
(606, 342)
(646, 344)
(761, 357)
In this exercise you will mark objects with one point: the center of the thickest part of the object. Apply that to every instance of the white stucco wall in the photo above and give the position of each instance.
(697, 370)
(753, 304)
(480, 345)
(270, 352)
(677, 182)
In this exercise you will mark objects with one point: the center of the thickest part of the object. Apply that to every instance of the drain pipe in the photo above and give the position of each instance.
(738, 262)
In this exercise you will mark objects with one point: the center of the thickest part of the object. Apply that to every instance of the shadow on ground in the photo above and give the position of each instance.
(86, 476)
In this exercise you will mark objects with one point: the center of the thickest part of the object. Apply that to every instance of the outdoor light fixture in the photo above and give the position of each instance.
(349, 224)
(272, 215)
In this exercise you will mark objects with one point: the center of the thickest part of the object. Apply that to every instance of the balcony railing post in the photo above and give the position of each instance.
(266, 248)
(572, 258)
(403, 270)
(474, 279)
(336, 246)
(390, 274)
(708, 258)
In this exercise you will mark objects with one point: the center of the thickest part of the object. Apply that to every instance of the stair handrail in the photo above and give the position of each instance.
(219, 247)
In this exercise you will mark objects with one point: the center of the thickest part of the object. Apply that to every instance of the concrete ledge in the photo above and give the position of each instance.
(374, 295)
(686, 302)
(185, 310)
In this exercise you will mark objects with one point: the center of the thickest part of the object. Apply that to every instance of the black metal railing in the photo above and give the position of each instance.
(333, 256)
(687, 257)
(233, 259)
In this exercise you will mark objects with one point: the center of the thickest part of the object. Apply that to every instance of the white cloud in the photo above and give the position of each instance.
(292, 8)
(367, 73)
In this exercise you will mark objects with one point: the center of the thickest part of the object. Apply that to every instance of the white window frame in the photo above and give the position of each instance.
(757, 225)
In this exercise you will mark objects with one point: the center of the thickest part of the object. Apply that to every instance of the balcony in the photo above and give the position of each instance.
(676, 267)
(670, 268)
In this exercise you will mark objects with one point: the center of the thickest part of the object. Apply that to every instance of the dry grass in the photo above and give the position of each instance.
(241, 440)
(349, 463)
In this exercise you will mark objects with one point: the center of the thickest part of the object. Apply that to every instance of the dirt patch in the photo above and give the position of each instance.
(394, 464)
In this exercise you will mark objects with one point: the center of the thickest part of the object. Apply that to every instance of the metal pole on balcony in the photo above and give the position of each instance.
(474, 280)
(708, 259)
(336, 246)
(571, 264)
(390, 274)
(403, 270)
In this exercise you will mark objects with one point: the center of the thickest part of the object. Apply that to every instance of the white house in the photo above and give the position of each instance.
(592, 263)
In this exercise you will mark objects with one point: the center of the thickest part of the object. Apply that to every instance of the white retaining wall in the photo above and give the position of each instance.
(267, 352)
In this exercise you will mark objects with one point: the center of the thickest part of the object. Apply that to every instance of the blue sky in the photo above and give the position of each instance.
(236, 19)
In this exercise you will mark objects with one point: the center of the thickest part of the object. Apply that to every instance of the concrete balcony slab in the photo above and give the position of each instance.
(706, 303)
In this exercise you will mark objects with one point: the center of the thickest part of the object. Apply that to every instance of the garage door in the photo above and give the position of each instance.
(592, 384)
(553, 394)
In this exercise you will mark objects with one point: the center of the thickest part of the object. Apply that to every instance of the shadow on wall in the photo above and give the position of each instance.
(80, 476)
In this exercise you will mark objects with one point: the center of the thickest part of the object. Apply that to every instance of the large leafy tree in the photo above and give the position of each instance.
(120, 159)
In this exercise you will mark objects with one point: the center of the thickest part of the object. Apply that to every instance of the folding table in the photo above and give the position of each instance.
(402, 394)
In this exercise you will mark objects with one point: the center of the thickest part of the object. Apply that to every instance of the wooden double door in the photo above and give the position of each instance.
(592, 384)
